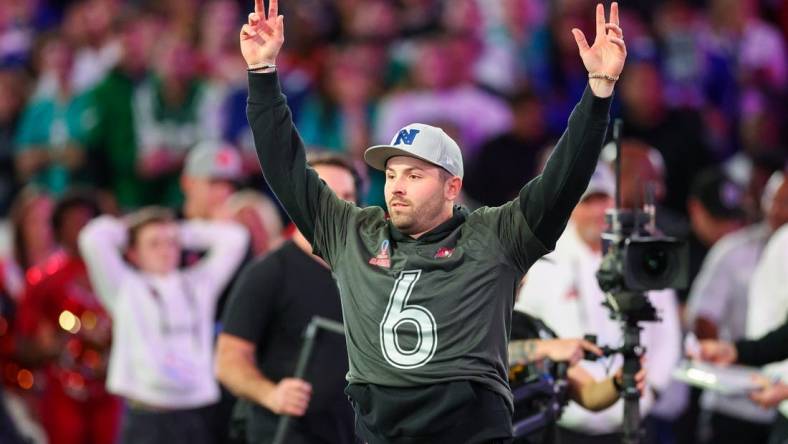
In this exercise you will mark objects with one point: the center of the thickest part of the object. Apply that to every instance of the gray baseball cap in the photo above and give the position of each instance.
(425, 142)
(213, 160)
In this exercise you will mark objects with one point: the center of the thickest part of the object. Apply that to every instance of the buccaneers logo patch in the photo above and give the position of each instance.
(444, 252)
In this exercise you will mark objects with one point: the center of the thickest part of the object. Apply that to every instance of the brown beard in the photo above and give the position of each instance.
(419, 218)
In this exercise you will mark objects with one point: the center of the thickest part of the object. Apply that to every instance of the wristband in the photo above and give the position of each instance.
(599, 75)
(261, 66)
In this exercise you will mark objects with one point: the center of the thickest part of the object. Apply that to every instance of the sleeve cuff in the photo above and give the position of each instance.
(594, 106)
(264, 88)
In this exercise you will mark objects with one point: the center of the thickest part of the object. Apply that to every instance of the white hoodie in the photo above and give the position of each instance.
(162, 343)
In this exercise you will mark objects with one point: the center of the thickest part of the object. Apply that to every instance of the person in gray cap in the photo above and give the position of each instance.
(210, 175)
(427, 292)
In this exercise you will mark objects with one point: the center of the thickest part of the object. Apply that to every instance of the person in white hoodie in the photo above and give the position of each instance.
(161, 360)
(561, 289)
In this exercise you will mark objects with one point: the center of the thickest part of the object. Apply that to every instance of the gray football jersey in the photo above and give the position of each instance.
(427, 310)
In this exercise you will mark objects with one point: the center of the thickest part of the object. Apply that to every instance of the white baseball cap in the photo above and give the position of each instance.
(425, 142)
(602, 182)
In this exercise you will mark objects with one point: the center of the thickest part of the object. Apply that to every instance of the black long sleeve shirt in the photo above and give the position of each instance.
(438, 308)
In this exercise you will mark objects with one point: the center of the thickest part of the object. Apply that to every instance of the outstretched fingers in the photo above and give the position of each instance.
(258, 7)
(273, 8)
(600, 21)
(580, 38)
(614, 13)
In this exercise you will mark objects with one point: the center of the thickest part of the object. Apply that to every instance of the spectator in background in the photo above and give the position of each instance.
(211, 174)
(339, 116)
(716, 208)
(760, 140)
(717, 309)
(268, 312)
(643, 172)
(162, 317)
(743, 52)
(171, 116)
(13, 91)
(17, 404)
(65, 332)
(443, 94)
(677, 25)
(563, 292)
(32, 236)
(260, 215)
(767, 309)
(87, 25)
(676, 134)
(20, 20)
(53, 131)
(8, 301)
(370, 19)
(505, 161)
(114, 140)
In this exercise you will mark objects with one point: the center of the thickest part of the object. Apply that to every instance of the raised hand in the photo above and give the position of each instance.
(608, 53)
(262, 37)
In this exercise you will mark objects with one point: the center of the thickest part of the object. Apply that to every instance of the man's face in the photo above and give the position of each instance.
(157, 248)
(339, 180)
(204, 196)
(416, 194)
(589, 217)
(778, 211)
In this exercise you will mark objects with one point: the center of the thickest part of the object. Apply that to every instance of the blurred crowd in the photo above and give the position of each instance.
(109, 106)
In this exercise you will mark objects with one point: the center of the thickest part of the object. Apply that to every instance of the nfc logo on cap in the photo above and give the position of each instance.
(406, 136)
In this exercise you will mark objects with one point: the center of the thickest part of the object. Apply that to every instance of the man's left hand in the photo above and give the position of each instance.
(607, 54)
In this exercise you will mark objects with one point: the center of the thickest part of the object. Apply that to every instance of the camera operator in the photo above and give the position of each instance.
(562, 290)
(534, 345)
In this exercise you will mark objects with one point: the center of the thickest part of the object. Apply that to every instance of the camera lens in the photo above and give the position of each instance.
(655, 261)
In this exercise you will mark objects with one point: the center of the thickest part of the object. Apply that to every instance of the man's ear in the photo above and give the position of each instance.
(452, 188)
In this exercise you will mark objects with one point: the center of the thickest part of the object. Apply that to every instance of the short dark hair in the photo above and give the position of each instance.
(77, 198)
(318, 158)
(141, 218)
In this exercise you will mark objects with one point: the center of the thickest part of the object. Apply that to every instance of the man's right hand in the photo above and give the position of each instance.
(262, 37)
(289, 397)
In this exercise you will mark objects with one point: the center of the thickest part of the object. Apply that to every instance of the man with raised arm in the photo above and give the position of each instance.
(427, 292)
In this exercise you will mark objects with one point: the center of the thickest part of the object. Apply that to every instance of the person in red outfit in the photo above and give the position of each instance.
(67, 334)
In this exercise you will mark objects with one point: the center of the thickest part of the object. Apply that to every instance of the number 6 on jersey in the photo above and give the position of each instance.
(398, 312)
